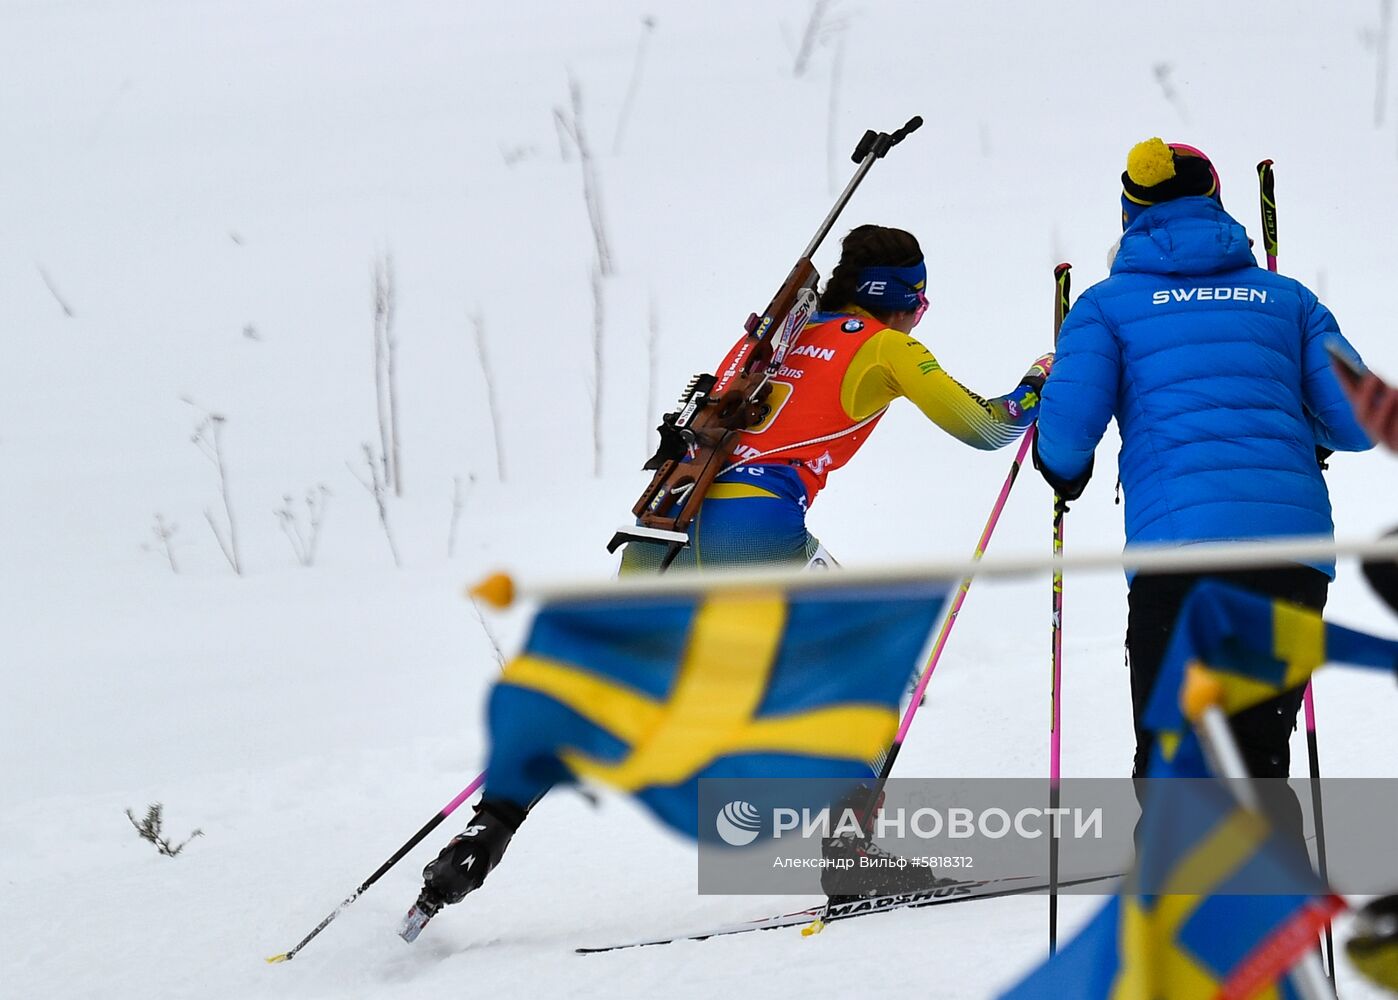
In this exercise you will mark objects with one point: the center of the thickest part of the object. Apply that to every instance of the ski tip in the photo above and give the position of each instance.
(812, 929)
(497, 590)
(1065, 266)
(283, 957)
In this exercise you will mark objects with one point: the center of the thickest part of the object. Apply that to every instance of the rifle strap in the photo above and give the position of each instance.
(802, 444)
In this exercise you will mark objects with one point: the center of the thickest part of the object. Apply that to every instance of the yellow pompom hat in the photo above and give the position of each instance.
(1157, 171)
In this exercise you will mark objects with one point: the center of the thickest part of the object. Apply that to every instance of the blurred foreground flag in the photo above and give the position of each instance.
(649, 694)
(1218, 906)
(1256, 646)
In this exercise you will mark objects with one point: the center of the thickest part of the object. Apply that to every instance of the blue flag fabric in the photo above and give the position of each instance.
(1258, 647)
(1192, 920)
(1217, 905)
(651, 694)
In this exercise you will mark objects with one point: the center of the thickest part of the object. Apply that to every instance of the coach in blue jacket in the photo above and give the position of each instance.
(1216, 372)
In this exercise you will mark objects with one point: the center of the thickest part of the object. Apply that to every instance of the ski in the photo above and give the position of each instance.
(956, 892)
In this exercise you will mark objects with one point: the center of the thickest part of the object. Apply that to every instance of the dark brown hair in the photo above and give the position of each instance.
(866, 246)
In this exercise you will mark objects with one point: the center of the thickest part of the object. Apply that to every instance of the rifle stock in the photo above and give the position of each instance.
(698, 438)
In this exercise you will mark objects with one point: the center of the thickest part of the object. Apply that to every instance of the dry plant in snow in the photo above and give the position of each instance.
(208, 438)
(1163, 73)
(571, 127)
(304, 534)
(478, 327)
(652, 362)
(378, 489)
(489, 634)
(458, 502)
(647, 27)
(810, 36)
(164, 532)
(152, 829)
(599, 329)
(386, 374)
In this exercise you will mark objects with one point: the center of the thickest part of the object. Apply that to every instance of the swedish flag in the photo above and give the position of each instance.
(650, 694)
(1218, 904)
(1256, 646)
(1192, 920)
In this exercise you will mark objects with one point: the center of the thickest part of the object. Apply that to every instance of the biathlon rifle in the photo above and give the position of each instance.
(697, 439)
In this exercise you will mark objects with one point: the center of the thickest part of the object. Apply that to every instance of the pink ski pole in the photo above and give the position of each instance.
(915, 702)
(1266, 184)
(950, 620)
(416, 839)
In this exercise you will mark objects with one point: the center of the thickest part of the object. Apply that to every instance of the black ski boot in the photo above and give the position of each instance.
(866, 869)
(464, 863)
(856, 867)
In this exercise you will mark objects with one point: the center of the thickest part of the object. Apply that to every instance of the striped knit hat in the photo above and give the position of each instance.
(1157, 172)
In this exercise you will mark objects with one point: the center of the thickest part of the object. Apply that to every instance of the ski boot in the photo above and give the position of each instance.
(464, 863)
(856, 867)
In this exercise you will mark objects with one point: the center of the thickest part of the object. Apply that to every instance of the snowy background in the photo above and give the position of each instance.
(195, 194)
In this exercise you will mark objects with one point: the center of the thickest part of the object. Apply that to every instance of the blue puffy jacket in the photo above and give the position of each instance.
(1216, 372)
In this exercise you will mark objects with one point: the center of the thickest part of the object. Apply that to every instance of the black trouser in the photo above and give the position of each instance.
(1264, 731)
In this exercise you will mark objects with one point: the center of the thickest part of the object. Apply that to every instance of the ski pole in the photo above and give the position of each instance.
(915, 702)
(398, 855)
(1317, 806)
(1062, 284)
(936, 654)
(1266, 183)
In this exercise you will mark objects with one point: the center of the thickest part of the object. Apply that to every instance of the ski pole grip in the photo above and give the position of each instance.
(913, 124)
(1266, 181)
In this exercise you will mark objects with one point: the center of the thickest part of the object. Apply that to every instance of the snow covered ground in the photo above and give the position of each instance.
(205, 185)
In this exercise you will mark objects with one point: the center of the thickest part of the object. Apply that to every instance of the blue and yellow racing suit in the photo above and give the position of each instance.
(828, 397)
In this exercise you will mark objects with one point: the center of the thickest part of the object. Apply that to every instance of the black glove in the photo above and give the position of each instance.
(1067, 489)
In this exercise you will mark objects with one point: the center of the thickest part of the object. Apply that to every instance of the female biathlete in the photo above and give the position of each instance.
(852, 360)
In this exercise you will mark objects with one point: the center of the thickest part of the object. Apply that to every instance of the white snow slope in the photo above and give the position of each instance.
(206, 185)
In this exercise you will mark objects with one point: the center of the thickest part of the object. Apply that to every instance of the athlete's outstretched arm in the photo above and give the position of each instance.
(893, 364)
